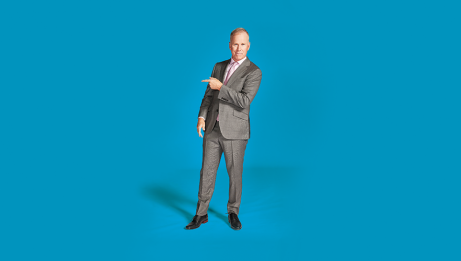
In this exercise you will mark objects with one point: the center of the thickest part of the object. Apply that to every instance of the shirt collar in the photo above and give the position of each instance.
(239, 62)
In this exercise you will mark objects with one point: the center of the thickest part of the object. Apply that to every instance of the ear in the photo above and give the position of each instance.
(249, 45)
(230, 48)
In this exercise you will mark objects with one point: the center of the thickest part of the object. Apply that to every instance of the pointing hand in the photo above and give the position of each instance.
(215, 84)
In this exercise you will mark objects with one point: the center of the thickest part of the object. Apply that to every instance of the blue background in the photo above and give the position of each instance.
(355, 146)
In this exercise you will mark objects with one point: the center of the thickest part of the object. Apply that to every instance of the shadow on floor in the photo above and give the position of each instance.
(173, 199)
(264, 180)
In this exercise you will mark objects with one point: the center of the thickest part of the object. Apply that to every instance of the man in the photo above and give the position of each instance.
(224, 117)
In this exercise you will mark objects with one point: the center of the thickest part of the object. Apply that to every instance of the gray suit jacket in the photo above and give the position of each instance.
(233, 101)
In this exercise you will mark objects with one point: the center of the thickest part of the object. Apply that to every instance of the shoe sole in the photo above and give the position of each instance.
(203, 222)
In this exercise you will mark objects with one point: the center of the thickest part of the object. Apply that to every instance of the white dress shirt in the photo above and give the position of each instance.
(228, 68)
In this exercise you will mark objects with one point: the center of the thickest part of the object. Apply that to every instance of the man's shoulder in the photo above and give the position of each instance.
(253, 67)
(223, 62)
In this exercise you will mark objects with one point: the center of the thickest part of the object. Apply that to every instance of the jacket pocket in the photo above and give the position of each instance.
(241, 115)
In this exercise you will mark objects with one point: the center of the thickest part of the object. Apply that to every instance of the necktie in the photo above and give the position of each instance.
(229, 74)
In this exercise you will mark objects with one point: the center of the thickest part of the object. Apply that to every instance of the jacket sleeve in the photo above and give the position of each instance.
(207, 99)
(243, 98)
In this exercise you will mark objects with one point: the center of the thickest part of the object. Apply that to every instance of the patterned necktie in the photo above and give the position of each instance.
(229, 74)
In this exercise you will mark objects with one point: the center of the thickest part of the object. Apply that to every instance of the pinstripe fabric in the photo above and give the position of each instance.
(233, 66)
(232, 102)
(214, 144)
(230, 134)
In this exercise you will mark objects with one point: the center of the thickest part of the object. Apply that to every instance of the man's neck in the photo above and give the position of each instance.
(241, 60)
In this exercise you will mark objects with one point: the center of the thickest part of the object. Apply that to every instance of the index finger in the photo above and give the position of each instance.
(206, 80)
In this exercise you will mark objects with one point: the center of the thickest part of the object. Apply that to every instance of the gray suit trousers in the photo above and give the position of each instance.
(214, 144)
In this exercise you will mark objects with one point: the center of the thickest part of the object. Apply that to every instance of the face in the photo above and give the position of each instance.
(239, 46)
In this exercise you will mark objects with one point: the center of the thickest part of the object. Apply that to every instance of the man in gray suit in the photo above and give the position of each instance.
(224, 117)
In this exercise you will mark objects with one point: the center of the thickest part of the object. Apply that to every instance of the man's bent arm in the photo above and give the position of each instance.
(243, 98)
(207, 98)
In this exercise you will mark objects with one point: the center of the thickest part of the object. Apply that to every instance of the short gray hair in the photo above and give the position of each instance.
(239, 30)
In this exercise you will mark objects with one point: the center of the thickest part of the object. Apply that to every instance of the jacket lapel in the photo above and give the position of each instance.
(223, 71)
(239, 72)
(220, 78)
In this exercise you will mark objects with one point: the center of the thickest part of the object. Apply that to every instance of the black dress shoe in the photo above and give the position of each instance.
(234, 221)
(197, 221)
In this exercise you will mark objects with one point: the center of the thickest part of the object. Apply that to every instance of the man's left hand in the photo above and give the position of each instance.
(215, 84)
